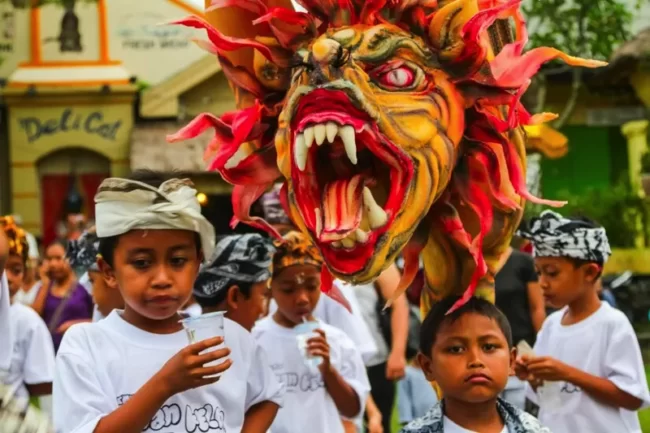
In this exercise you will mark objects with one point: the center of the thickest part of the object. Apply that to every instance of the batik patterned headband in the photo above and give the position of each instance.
(237, 259)
(16, 236)
(296, 249)
(83, 252)
(122, 205)
(552, 235)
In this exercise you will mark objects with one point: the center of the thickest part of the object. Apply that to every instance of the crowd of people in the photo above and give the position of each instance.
(95, 334)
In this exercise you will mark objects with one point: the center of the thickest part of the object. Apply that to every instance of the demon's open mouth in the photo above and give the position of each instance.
(349, 180)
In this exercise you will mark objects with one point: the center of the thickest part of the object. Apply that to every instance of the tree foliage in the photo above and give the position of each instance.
(584, 28)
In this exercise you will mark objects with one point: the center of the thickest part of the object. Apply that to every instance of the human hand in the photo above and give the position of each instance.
(395, 366)
(186, 370)
(521, 367)
(318, 346)
(547, 368)
(374, 423)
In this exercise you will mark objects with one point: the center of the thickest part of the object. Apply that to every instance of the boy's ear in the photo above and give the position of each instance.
(592, 272)
(426, 365)
(513, 358)
(232, 297)
(107, 273)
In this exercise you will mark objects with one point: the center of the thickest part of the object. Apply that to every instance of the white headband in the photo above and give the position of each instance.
(122, 205)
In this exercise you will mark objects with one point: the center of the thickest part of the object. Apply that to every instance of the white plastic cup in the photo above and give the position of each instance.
(204, 327)
(550, 396)
(304, 332)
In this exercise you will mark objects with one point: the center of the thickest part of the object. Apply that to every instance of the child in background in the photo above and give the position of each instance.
(134, 370)
(32, 362)
(317, 398)
(236, 279)
(82, 254)
(469, 354)
(587, 371)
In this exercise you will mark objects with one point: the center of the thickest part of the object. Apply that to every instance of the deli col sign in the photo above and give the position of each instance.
(93, 123)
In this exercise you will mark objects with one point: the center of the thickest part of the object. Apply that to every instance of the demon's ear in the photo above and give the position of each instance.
(446, 29)
(234, 18)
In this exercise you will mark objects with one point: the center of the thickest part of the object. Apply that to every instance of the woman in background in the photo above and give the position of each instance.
(64, 301)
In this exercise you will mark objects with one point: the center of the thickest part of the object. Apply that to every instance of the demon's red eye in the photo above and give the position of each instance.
(399, 77)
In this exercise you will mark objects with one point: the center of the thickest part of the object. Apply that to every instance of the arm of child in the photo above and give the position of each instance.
(260, 417)
(83, 406)
(624, 384)
(399, 323)
(264, 393)
(348, 387)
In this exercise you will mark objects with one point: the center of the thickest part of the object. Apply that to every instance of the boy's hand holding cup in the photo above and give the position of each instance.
(198, 364)
(318, 347)
(189, 368)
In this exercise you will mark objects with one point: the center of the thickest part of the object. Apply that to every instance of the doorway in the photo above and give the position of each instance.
(69, 179)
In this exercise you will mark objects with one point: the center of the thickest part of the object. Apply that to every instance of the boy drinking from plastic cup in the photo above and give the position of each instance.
(134, 371)
(321, 368)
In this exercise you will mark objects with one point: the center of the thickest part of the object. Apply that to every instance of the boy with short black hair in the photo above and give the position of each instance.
(134, 370)
(587, 371)
(469, 354)
(236, 279)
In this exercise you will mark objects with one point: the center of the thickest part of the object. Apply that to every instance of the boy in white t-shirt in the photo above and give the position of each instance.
(82, 254)
(236, 278)
(32, 362)
(134, 370)
(587, 369)
(317, 397)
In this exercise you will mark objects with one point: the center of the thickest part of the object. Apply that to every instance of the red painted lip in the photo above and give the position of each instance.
(478, 379)
(335, 105)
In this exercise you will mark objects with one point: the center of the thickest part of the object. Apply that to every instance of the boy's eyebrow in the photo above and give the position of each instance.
(182, 247)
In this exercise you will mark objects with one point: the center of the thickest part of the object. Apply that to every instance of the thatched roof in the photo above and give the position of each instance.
(629, 56)
(150, 150)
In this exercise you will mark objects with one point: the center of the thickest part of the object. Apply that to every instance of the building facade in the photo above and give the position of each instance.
(92, 91)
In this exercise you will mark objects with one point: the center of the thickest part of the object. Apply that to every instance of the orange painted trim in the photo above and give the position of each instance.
(181, 4)
(104, 55)
(35, 35)
(22, 164)
(19, 84)
(77, 63)
(25, 196)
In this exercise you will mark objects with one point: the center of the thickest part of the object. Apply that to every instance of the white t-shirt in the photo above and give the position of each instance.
(448, 426)
(307, 403)
(334, 314)
(28, 297)
(6, 342)
(32, 361)
(100, 365)
(604, 345)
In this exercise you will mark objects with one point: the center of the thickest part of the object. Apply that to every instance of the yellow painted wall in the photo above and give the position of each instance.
(50, 26)
(42, 130)
(14, 38)
(148, 50)
(637, 260)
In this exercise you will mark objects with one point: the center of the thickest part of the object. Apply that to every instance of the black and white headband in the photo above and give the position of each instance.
(237, 259)
(553, 235)
(83, 252)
